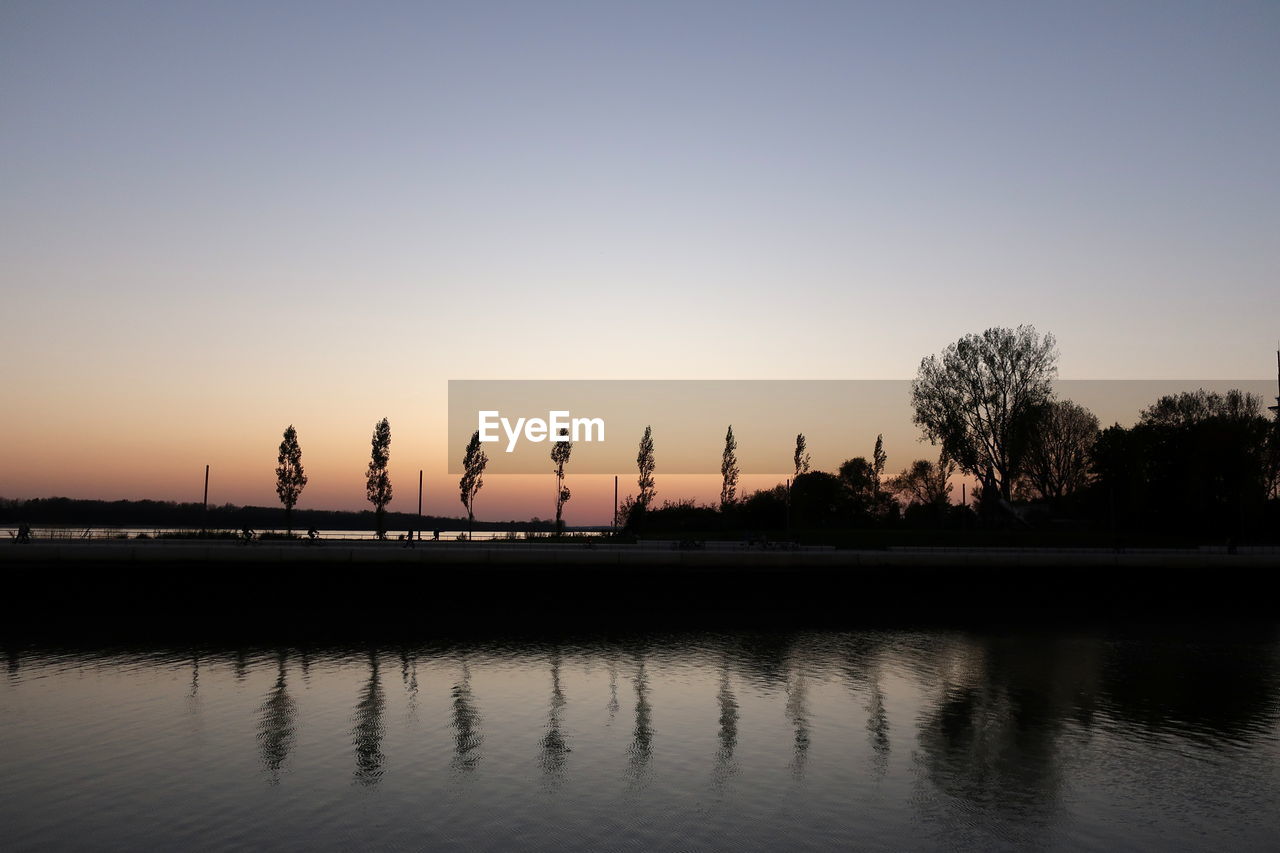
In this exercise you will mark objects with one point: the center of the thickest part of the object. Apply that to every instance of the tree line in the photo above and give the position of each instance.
(1195, 463)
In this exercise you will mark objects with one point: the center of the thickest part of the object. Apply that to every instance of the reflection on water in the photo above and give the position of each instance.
(466, 725)
(367, 732)
(641, 749)
(886, 740)
(728, 734)
(275, 727)
(554, 750)
(798, 716)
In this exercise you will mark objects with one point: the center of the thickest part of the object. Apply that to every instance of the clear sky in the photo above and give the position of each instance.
(217, 219)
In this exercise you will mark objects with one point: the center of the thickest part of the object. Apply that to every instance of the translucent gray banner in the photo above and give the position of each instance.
(839, 418)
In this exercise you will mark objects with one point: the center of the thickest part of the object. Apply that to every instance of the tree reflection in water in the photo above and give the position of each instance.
(640, 752)
(725, 766)
(553, 750)
(276, 724)
(367, 732)
(466, 725)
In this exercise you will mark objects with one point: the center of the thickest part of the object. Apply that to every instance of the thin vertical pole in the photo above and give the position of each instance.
(963, 500)
(614, 523)
(419, 503)
(204, 513)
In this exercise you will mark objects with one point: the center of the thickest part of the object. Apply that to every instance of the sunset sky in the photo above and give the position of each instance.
(217, 219)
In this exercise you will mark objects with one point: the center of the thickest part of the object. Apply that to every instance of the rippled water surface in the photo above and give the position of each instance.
(876, 740)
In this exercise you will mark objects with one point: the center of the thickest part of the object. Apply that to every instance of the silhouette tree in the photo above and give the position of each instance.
(473, 465)
(290, 478)
(1058, 456)
(378, 484)
(979, 397)
(878, 457)
(560, 451)
(645, 464)
(1194, 462)
(729, 470)
(924, 483)
(801, 456)
(1194, 407)
(858, 476)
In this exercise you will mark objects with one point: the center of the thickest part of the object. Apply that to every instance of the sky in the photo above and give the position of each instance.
(218, 219)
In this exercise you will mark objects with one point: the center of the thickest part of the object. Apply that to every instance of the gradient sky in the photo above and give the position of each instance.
(217, 219)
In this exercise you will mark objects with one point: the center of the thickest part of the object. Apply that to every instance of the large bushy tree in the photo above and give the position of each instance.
(979, 397)
(1059, 450)
(1194, 464)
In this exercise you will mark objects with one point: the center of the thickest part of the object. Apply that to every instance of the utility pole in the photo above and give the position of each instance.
(614, 521)
(419, 503)
(204, 514)
(1276, 407)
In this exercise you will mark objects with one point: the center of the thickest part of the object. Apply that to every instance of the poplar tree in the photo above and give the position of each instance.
(878, 458)
(473, 465)
(560, 451)
(801, 456)
(729, 470)
(378, 482)
(290, 478)
(644, 462)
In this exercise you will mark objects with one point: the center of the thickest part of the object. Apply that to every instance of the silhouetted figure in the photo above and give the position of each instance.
(435, 536)
(366, 735)
(408, 539)
(246, 534)
(23, 535)
(313, 534)
(466, 722)
(276, 730)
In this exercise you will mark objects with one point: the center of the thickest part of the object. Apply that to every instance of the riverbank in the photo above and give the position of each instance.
(141, 589)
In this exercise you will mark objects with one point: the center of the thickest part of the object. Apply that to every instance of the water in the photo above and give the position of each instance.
(872, 740)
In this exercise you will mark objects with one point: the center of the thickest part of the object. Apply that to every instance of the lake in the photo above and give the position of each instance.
(1159, 738)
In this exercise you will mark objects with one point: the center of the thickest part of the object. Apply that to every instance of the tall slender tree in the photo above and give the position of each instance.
(645, 464)
(878, 458)
(801, 456)
(290, 477)
(560, 451)
(473, 465)
(729, 470)
(378, 480)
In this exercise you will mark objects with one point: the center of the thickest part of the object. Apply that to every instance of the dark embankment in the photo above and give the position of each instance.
(154, 589)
